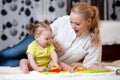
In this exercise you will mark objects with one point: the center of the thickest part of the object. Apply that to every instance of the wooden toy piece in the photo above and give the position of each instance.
(118, 72)
(54, 69)
(77, 69)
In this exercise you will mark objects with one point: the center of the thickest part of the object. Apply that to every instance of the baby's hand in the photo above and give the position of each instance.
(56, 65)
(98, 66)
(51, 64)
(40, 69)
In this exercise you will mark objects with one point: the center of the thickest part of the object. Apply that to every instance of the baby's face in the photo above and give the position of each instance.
(45, 38)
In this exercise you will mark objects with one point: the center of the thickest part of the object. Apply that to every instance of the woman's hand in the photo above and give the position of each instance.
(98, 66)
(58, 48)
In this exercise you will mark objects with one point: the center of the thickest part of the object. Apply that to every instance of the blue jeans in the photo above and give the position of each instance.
(12, 55)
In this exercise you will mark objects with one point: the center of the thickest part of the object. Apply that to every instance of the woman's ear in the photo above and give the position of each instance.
(89, 21)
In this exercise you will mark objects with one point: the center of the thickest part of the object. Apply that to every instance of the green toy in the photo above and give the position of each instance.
(118, 72)
(94, 71)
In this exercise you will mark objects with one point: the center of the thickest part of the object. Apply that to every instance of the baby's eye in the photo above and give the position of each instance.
(71, 22)
(46, 38)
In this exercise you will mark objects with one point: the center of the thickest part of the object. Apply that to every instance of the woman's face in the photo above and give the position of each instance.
(79, 24)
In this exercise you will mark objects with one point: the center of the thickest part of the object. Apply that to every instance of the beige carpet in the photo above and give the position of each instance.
(14, 73)
(10, 70)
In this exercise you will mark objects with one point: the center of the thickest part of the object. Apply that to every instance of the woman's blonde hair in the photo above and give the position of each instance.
(92, 12)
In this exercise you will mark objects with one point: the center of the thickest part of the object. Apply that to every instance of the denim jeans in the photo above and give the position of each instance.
(12, 55)
(10, 62)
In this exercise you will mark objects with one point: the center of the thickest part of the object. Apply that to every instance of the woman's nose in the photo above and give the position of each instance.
(73, 25)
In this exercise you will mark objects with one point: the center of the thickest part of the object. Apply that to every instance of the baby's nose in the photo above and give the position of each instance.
(49, 41)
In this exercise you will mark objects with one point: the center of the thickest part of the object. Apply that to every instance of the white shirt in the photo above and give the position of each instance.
(77, 50)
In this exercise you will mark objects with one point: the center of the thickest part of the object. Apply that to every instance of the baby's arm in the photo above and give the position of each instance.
(54, 58)
(33, 63)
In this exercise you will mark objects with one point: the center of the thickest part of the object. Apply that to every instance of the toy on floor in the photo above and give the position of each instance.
(77, 69)
(51, 70)
(54, 70)
(118, 72)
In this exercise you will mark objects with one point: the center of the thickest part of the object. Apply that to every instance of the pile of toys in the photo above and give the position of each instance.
(54, 70)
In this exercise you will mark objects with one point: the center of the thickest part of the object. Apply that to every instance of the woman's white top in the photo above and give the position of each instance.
(77, 50)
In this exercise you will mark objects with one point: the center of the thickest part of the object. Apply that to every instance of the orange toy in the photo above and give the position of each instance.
(77, 69)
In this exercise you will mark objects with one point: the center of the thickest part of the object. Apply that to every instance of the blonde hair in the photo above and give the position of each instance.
(92, 12)
(33, 28)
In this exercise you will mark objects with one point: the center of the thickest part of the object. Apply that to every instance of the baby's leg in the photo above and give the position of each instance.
(65, 66)
(24, 65)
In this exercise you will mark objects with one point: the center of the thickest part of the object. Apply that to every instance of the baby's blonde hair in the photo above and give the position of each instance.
(33, 28)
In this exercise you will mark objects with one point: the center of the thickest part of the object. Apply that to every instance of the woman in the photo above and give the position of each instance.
(77, 36)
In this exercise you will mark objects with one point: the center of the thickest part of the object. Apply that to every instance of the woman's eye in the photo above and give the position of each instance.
(77, 24)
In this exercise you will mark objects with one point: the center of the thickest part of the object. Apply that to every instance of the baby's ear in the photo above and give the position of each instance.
(36, 36)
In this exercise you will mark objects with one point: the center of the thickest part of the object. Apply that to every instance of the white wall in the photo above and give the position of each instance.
(110, 32)
(38, 10)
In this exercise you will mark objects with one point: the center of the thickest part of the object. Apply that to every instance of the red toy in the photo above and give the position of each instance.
(54, 69)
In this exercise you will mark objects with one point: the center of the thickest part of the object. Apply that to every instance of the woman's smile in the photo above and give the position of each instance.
(76, 31)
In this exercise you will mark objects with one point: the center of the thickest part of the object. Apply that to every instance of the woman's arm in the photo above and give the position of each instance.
(93, 59)
(93, 55)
